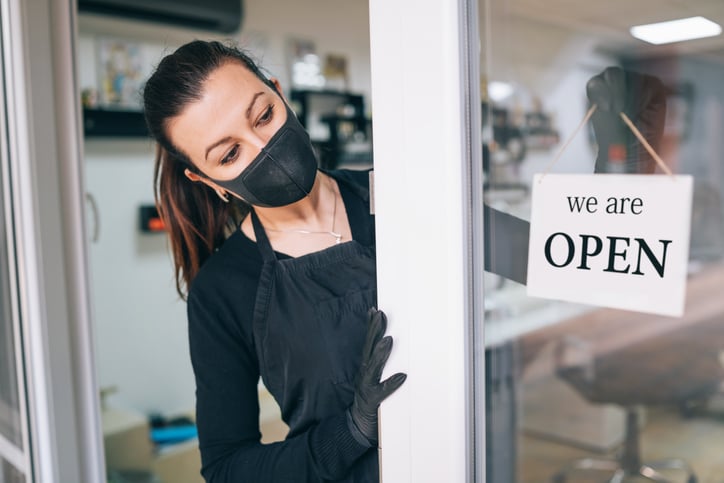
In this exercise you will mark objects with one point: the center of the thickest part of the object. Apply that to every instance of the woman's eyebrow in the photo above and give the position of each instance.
(220, 141)
(251, 105)
(227, 138)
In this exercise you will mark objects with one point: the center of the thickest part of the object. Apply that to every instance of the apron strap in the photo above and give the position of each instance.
(262, 241)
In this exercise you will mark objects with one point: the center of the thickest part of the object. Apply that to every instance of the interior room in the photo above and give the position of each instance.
(594, 393)
(543, 359)
(320, 54)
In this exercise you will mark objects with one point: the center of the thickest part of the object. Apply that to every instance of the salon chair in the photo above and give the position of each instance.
(673, 369)
(636, 360)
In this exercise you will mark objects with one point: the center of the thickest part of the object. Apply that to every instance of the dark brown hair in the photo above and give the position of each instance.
(196, 220)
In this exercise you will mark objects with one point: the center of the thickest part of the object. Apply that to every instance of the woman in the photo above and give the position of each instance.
(278, 259)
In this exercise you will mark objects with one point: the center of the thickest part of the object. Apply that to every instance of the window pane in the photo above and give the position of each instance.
(9, 403)
(10, 474)
(572, 386)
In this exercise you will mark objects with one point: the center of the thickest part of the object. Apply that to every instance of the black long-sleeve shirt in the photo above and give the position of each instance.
(220, 313)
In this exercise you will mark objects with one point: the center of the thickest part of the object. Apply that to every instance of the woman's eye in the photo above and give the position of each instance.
(231, 155)
(267, 115)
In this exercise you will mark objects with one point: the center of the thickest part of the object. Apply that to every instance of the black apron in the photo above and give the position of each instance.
(310, 323)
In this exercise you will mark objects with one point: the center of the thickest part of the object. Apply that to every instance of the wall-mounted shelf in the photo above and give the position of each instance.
(337, 125)
(114, 123)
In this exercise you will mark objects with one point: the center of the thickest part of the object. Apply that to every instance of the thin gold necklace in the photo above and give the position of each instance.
(337, 236)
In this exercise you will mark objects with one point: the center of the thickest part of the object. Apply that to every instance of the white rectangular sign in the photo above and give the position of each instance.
(612, 240)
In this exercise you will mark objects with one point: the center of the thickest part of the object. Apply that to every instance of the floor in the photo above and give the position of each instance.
(699, 439)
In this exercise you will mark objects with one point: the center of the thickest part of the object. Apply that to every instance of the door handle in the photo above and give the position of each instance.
(95, 213)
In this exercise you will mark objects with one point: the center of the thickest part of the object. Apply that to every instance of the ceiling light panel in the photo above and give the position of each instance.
(676, 30)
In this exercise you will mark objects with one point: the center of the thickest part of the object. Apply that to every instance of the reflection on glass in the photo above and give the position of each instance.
(9, 404)
(10, 474)
(575, 392)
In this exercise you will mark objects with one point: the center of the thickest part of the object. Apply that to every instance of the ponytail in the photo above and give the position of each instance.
(196, 219)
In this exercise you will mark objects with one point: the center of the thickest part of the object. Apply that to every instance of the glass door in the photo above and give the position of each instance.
(15, 453)
(49, 428)
(575, 392)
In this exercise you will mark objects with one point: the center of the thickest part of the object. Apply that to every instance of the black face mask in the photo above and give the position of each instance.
(282, 173)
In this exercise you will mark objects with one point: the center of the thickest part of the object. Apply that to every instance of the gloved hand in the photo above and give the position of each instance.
(642, 98)
(369, 391)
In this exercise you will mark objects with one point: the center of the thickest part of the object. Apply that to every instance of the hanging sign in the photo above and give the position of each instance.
(611, 240)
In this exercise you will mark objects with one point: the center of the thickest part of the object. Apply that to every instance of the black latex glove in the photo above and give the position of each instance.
(642, 98)
(369, 391)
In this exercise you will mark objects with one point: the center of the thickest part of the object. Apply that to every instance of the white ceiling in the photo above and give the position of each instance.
(531, 36)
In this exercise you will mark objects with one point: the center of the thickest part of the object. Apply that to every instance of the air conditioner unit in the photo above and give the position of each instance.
(213, 15)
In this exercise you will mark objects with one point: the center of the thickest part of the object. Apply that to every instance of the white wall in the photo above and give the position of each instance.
(141, 332)
(139, 320)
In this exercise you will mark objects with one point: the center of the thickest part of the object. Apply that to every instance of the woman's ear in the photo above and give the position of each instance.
(196, 178)
(193, 176)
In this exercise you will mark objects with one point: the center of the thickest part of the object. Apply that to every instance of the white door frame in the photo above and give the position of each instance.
(44, 132)
(428, 203)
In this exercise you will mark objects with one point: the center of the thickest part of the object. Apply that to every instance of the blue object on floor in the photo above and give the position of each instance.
(173, 434)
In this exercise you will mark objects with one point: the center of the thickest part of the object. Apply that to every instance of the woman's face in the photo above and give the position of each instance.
(226, 128)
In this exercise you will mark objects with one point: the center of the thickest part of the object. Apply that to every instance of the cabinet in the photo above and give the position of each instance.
(113, 123)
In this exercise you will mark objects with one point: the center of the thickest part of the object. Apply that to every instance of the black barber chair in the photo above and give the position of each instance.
(673, 369)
